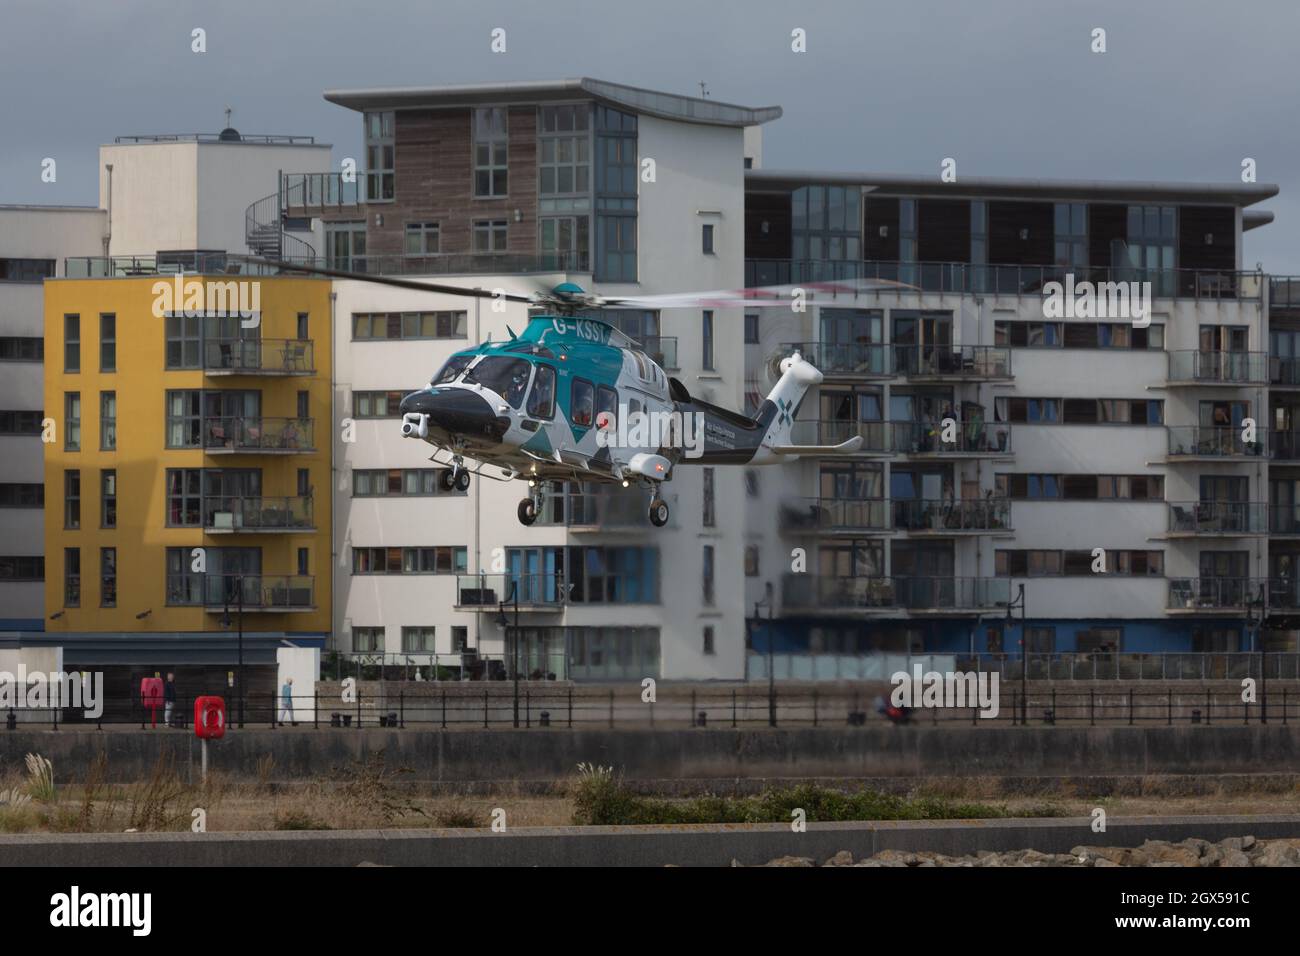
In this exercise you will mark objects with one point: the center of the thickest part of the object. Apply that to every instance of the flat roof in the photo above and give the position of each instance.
(214, 139)
(686, 109)
(40, 207)
(1238, 194)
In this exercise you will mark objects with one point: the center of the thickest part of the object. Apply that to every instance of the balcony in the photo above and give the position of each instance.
(970, 278)
(1218, 443)
(1284, 594)
(258, 436)
(853, 360)
(1212, 595)
(914, 595)
(1284, 373)
(1190, 519)
(947, 517)
(307, 194)
(953, 363)
(1284, 521)
(264, 593)
(1284, 447)
(834, 515)
(1228, 369)
(876, 436)
(229, 265)
(611, 510)
(536, 592)
(288, 515)
(972, 439)
(269, 357)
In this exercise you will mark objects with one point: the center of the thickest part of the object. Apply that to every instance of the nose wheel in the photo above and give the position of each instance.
(455, 478)
(658, 512)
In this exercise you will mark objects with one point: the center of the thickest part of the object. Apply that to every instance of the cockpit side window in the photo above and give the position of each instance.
(508, 377)
(451, 369)
(541, 400)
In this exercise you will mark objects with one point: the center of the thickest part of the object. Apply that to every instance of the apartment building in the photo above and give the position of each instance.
(520, 186)
(1115, 466)
(190, 441)
(35, 242)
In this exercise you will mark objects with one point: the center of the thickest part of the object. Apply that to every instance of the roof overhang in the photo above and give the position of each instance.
(987, 187)
(670, 106)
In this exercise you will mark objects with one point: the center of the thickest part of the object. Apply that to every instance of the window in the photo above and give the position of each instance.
(1080, 411)
(22, 567)
(22, 495)
(418, 639)
(710, 518)
(72, 421)
(72, 498)
(399, 482)
(72, 343)
(582, 404)
(616, 258)
(708, 640)
(304, 561)
(564, 151)
(108, 577)
(380, 163)
(616, 192)
(490, 235)
(408, 325)
(541, 400)
(107, 421)
(28, 348)
(26, 270)
(184, 497)
(184, 419)
(751, 329)
(20, 423)
(826, 222)
(751, 561)
(490, 142)
(422, 239)
(751, 482)
(184, 340)
(707, 238)
(1040, 640)
(707, 576)
(603, 575)
(1072, 236)
(565, 242)
(376, 404)
(367, 640)
(436, 560)
(459, 638)
(304, 325)
(108, 498)
(1077, 563)
(107, 342)
(72, 577)
(1152, 237)
(1080, 487)
(707, 345)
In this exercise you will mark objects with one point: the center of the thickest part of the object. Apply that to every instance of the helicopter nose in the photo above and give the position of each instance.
(457, 412)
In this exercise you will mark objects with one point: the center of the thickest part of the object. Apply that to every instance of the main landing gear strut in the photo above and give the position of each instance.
(531, 506)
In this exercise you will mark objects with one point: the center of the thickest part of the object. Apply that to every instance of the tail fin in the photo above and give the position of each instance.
(776, 414)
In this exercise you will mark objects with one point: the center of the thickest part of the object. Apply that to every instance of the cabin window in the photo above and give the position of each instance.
(541, 401)
(606, 402)
(582, 408)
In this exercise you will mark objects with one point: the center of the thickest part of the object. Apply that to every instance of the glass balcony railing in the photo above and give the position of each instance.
(1213, 594)
(254, 591)
(1284, 593)
(952, 516)
(851, 358)
(965, 277)
(975, 437)
(1219, 368)
(601, 510)
(229, 265)
(288, 435)
(917, 594)
(1284, 372)
(534, 590)
(1284, 519)
(257, 356)
(1218, 517)
(243, 514)
(858, 515)
(303, 191)
(1224, 441)
(1284, 446)
(952, 361)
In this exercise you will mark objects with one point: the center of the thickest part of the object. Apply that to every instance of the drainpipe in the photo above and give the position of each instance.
(108, 234)
(334, 551)
(476, 490)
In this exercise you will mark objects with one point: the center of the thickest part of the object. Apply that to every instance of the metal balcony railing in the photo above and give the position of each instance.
(245, 514)
(318, 191)
(952, 515)
(965, 277)
(1284, 372)
(851, 358)
(1224, 441)
(1284, 594)
(1284, 519)
(1218, 368)
(601, 510)
(258, 434)
(1218, 517)
(916, 594)
(534, 591)
(969, 438)
(1284, 446)
(249, 356)
(1212, 594)
(875, 435)
(952, 361)
(260, 592)
(852, 515)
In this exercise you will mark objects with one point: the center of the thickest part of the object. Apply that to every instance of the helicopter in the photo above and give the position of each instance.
(573, 398)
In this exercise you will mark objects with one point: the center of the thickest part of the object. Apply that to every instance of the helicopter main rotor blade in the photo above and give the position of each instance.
(761, 297)
(390, 281)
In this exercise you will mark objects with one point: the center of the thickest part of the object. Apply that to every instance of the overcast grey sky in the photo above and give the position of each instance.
(1185, 91)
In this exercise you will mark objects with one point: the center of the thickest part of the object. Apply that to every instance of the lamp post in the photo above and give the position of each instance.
(505, 622)
(1256, 609)
(225, 622)
(771, 653)
(1019, 602)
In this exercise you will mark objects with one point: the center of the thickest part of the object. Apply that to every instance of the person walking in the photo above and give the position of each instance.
(286, 701)
(169, 698)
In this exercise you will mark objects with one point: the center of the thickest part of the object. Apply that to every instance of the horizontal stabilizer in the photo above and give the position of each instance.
(843, 448)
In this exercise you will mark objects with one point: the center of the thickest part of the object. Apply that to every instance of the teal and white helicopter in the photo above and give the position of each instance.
(572, 398)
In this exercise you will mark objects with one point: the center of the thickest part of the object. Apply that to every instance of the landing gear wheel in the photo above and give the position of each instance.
(448, 479)
(658, 513)
(462, 480)
(527, 511)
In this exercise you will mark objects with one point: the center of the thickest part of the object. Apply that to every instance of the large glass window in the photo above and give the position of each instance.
(422, 239)
(72, 421)
(72, 577)
(108, 498)
(1072, 236)
(490, 150)
(380, 162)
(826, 222)
(1152, 242)
(107, 421)
(72, 499)
(107, 342)
(490, 235)
(108, 577)
(184, 418)
(72, 343)
(564, 151)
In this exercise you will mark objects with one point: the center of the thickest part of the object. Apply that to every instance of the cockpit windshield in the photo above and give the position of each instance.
(508, 377)
(451, 370)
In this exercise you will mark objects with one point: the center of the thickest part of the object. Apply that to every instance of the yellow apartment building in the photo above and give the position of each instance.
(187, 463)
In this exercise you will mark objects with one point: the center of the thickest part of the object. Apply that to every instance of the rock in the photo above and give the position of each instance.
(1102, 861)
(790, 861)
(1277, 853)
(1234, 858)
(1237, 843)
(843, 858)
(1161, 851)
